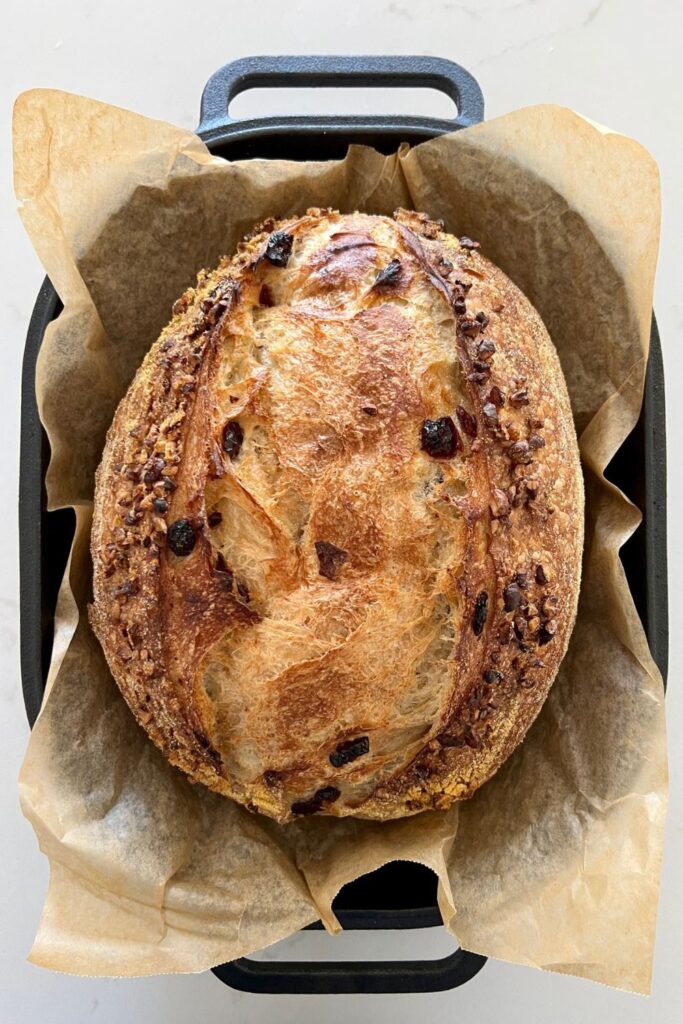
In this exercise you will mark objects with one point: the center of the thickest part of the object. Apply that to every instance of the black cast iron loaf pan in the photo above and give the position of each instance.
(400, 895)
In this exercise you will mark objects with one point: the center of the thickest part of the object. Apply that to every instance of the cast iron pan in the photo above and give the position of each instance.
(400, 895)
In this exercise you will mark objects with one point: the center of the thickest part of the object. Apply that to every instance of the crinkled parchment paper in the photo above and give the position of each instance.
(555, 862)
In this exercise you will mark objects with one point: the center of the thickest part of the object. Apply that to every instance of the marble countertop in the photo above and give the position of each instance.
(615, 61)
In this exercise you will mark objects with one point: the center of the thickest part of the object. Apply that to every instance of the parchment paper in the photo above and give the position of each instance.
(555, 862)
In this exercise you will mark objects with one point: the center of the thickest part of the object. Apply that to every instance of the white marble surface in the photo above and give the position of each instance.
(617, 61)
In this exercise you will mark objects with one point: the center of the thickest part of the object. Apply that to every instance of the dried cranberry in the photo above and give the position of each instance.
(223, 571)
(233, 436)
(481, 607)
(279, 248)
(467, 421)
(181, 537)
(161, 505)
(541, 577)
(349, 751)
(389, 276)
(266, 296)
(215, 519)
(496, 396)
(440, 438)
(512, 597)
(330, 559)
(153, 472)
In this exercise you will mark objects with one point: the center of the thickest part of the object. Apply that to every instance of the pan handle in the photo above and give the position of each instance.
(324, 978)
(339, 71)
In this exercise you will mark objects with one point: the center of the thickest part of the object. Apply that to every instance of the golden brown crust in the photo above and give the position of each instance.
(339, 520)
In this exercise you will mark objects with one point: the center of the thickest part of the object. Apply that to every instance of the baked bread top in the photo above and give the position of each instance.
(338, 521)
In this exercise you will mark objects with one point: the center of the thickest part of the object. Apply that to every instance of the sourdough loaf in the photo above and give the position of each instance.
(338, 521)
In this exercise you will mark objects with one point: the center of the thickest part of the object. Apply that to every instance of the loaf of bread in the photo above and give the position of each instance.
(338, 521)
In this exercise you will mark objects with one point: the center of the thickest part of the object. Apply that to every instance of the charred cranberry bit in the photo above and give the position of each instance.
(349, 751)
(215, 519)
(169, 484)
(520, 397)
(224, 572)
(468, 243)
(483, 320)
(522, 579)
(492, 676)
(233, 436)
(490, 414)
(389, 276)
(496, 396)
(181, 537)
(471, 738)
(440, 438)
(466, 421)
(128, 589)
(369, 410)
(330, 559)
(451, 740)
(500, 504)
(279, 248)
(536, 441)
(470, 328)
(512, 597)
(459, 306)
(154, 470)
(545, 636)
(271, 778)
(541, 577)
(480, 376)
(481, 608)
(327, 795)
(486, 348)
(520, 452)
(310, 806)
(265, 297)
(160, 505)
